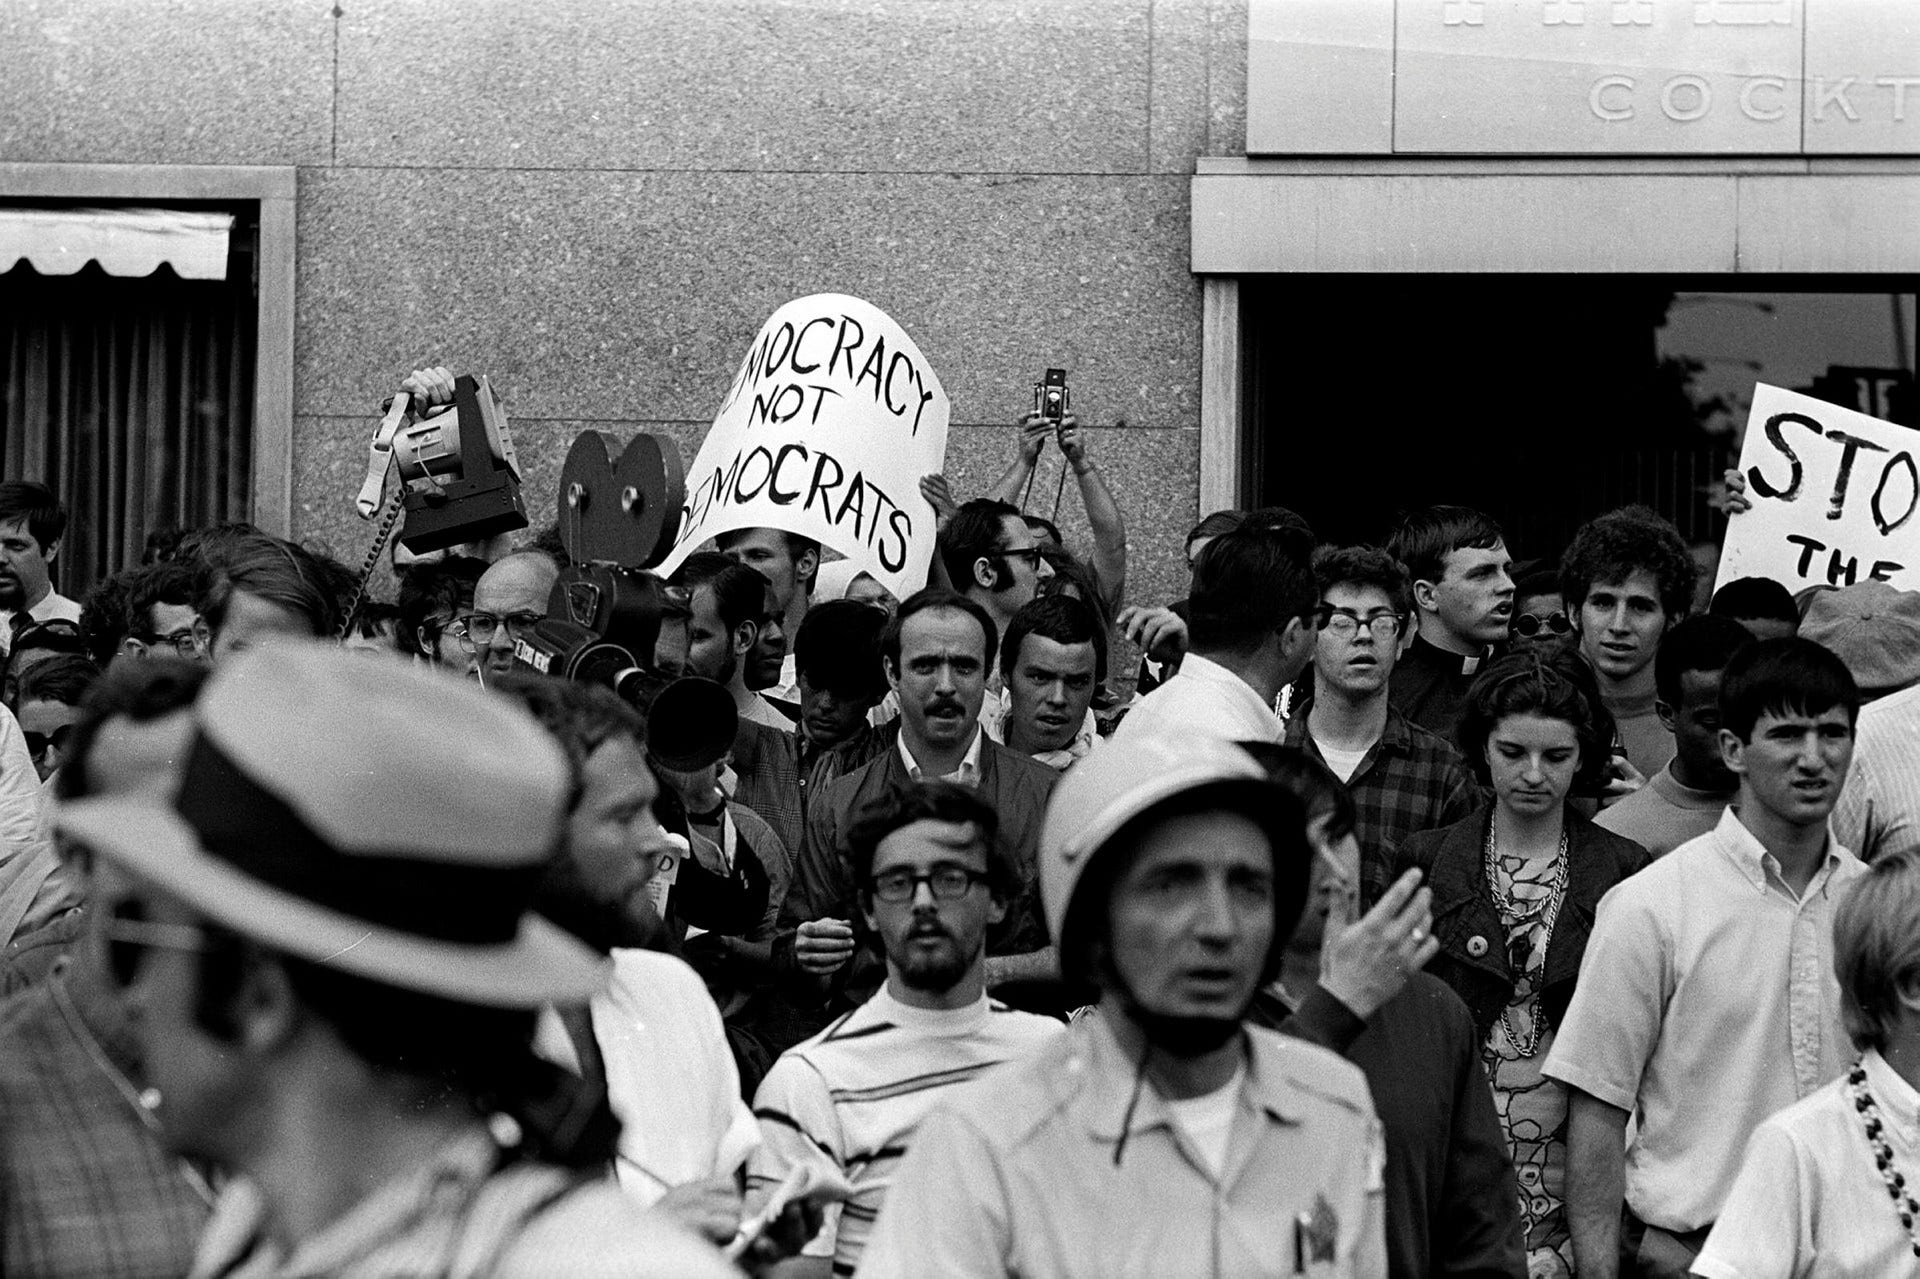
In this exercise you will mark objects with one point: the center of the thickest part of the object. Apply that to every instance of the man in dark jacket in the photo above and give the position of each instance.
(938, 649)
(1452, 1208)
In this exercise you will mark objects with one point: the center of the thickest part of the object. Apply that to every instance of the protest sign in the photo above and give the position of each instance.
(1834, 496)
(830, 423)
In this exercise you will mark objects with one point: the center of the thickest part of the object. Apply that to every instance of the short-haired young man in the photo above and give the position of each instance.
(791, 562)
(1760, 604)
(938, 649)
(1707, 999)
(1403, 779)
(1050, 664)
(932, 878)
(728, 600)
(993, 558)
(1463, 597)
(32, 522)
(1684, 800)
(1252, 619)
(1626, 577)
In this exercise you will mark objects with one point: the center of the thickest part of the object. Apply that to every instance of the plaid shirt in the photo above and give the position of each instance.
(1409, 781)
(85, 1187)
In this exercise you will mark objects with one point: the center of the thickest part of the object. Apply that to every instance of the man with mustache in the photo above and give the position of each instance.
(937, 650)
(932, 880)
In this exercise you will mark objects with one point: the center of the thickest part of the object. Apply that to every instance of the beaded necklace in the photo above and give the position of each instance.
(1903, 1204)
(1513, 911)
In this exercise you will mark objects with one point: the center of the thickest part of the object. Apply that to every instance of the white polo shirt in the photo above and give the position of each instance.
(1204, 698)
(1707, 1002)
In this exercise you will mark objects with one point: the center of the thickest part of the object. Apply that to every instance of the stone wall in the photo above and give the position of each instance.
(596, 202)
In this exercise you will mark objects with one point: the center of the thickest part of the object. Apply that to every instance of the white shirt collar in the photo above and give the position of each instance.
(1899, 1103)
(968, 773)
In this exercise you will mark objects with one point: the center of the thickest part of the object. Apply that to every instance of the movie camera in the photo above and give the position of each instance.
(619, 510)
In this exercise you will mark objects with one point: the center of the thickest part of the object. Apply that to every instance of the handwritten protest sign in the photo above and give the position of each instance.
(830, 423)
(1834, 497)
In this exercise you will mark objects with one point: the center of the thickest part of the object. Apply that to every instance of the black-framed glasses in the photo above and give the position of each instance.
(477, 629)
(129, 933)
(37, 743)
(946, 883)
(1031, 554)
(1528, 625)
(185, 641)
(1344, 623)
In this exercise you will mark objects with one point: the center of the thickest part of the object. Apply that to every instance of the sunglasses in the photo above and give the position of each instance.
(1528, 625)
(129, 934)
(37, 743)
(1031, 554)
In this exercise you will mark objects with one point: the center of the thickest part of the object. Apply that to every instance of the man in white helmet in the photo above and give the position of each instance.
(1161, 1135)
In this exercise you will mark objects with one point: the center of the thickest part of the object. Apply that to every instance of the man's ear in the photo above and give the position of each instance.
(1733, 752)
(745, 636)
(892, 669)
(1668, 716)
(263, 1012)
(983, 575)
(1297, 638)
(131, 647)
(422, 643)
(53, 549)
(803, 568)
(996, 908)
(1426, 597)
(864, 900)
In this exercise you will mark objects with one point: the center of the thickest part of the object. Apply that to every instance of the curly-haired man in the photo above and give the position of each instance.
(1626, 577)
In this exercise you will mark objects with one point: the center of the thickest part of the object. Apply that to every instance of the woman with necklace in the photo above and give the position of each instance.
(1514, 891)
(1830, 1184)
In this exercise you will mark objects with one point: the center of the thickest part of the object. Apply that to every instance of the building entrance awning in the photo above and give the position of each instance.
(127, 242)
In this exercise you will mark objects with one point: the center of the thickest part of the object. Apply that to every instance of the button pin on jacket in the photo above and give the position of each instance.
(1476, 946)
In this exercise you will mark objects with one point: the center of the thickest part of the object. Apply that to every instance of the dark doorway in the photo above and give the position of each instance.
(1543, 400)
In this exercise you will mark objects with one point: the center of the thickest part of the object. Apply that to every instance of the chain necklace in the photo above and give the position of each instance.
(1512, 912)
(1903, 1203)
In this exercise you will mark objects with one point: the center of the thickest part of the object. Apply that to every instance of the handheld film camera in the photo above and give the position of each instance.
(1051, 398)
(619, 513)
(459, 475)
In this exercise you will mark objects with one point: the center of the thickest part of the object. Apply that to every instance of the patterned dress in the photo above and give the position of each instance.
(1532, 1108)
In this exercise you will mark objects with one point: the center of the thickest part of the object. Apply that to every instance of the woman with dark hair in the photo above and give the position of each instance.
(253, 586)
(1515, 886)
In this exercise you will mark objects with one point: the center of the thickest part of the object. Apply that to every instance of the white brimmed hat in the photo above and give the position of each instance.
(1127, 778)
(370, 816)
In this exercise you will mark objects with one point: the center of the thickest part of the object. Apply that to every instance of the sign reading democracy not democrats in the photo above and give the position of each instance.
(1835, 493)
(830, 423)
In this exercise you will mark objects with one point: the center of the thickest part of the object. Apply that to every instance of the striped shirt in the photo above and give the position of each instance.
(1879, 809)
(851, 1096)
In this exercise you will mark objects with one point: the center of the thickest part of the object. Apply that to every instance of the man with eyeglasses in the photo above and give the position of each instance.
(993, 558)
(509, 598)
(160, 604)
(932, 879)
(1539, 614)
(1403, 779)
(1253, 616)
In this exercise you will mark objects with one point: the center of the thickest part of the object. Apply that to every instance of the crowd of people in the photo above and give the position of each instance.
(1409, 911)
